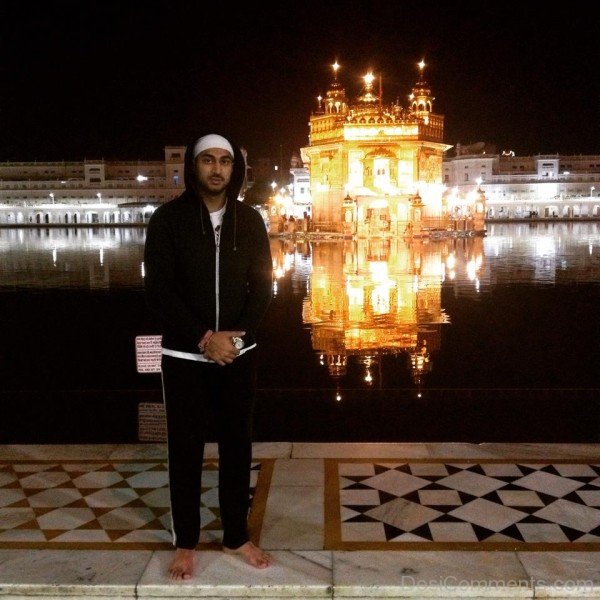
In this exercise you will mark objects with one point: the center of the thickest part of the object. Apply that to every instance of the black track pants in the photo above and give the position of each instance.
(191, 391)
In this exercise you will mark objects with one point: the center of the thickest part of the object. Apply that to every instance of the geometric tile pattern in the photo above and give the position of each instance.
(473, 505)
(103, 504)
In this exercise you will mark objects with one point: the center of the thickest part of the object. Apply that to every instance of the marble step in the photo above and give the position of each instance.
(104, 575)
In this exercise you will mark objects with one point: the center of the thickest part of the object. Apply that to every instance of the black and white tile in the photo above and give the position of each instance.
(95, 503)
(469, 502)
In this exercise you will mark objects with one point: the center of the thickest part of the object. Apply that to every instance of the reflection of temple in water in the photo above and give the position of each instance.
(370, 298)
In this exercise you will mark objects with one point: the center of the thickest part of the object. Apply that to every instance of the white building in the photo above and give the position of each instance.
(88, 192)
(127, 192)
(302, 200)
(526, 186)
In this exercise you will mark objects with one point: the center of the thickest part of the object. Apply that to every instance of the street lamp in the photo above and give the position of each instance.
(51, 197)
(592, 191)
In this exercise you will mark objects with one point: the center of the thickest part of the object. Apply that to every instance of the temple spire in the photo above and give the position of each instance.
(335, 98)
(335, 66)
(421, 66)
(369, 97)
(421, 100)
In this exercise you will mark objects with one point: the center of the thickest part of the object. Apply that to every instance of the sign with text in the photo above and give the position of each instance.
(152, 422)
(148, 353)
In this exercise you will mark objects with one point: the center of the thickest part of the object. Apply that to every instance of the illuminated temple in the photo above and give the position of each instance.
(376, 168)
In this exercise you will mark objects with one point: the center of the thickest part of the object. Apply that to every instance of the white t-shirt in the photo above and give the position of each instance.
(216, 220)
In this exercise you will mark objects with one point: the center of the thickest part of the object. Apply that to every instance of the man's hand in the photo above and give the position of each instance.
(220, 347)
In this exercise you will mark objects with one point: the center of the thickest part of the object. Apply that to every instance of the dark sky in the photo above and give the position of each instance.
(122, 79)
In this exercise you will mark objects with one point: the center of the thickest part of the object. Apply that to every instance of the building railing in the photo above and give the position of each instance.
(56, 185)
(325, 227)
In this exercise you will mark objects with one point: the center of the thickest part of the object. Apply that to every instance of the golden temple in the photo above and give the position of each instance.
(376, 168)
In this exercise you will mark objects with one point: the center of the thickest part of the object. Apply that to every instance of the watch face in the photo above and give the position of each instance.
(238, 342)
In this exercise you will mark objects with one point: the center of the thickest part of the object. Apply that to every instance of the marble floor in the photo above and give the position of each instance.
(410, 504)
(104, 504)
(348, 516)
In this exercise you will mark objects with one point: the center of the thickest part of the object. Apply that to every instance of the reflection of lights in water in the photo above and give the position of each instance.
(356, 295)
(379, 271)
(451, 261)
(143, 270)
(381, 297)
(54, 256)
(544, 246)
(368, 362)
(274, 287)
(477, 284)
(591, 247)
(452, 275)
(101, 256)
(471, 270)
(78, 241)
(438, 269)
(419, 360)
(320, 282)
(288, 262)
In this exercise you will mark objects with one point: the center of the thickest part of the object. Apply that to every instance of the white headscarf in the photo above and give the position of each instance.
(212, 141)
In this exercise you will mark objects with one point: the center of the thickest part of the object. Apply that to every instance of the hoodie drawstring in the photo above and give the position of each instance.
(202, 221)
(235, 225)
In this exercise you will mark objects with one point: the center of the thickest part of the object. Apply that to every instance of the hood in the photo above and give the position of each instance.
(233, 189)
(237, 177)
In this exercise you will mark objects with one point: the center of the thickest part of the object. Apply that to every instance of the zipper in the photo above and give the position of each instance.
(217, 249)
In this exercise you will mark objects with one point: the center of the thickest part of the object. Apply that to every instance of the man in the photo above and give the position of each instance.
(209, 282)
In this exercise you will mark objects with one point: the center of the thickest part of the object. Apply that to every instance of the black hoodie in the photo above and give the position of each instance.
(181, 258)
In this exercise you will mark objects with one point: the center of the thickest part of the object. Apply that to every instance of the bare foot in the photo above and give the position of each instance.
(182, 565)
(252, 555)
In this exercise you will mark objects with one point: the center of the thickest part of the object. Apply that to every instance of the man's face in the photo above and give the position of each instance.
(214, 167)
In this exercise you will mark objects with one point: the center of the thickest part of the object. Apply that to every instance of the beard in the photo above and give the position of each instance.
(212, 186)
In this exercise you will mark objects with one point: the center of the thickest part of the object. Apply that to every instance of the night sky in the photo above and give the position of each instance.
(108, 79)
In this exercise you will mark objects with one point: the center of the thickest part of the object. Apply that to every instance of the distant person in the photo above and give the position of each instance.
(209, 282)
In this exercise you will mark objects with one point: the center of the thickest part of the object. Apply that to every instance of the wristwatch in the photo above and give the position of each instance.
(238, 342)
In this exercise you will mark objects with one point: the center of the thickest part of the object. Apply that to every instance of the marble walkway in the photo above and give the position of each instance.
(341, 520)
